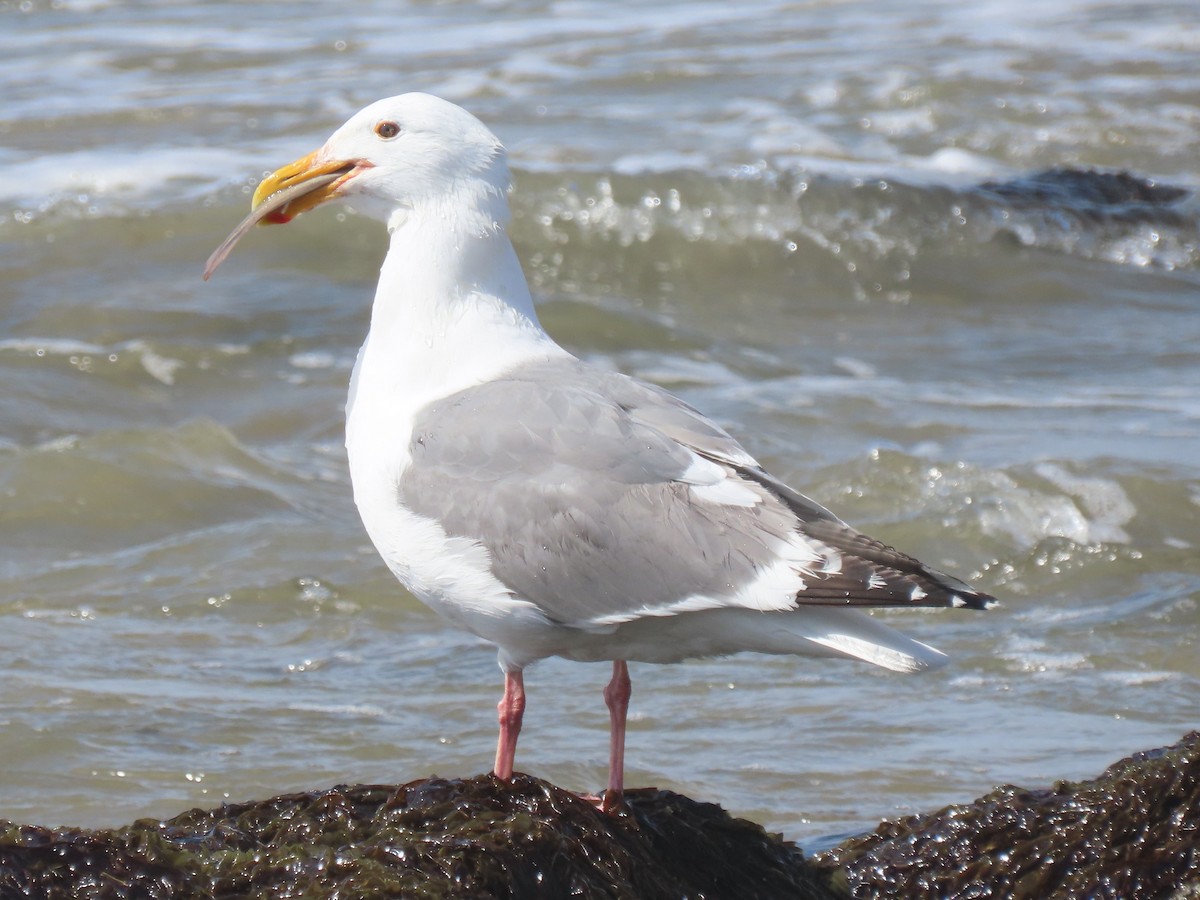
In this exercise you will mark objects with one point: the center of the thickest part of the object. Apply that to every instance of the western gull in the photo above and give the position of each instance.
(550, 506)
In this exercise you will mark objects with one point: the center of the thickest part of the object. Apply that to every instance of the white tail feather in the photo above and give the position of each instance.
(811, 631)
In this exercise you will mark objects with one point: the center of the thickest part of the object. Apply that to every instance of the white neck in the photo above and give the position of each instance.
(452, 310)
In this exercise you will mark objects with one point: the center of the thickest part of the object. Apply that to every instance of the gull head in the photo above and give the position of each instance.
(401, 152)
(411, 157)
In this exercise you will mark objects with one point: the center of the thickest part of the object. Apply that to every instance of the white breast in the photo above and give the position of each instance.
(428, 341)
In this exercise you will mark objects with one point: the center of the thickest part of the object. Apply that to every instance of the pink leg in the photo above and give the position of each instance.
(616, 695)
(511, 709)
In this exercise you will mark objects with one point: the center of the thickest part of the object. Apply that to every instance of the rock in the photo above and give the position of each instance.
(1133, 833)
(472, 838)
(1086, 189)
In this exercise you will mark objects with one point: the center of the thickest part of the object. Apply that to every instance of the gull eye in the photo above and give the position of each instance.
(387, 130)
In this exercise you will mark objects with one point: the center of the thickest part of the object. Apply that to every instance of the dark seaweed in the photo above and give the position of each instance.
(1133, 834)
(471, 838)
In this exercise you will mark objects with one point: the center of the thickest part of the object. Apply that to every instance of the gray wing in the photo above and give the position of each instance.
(580, 483)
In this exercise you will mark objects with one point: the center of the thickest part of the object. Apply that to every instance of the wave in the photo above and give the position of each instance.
(870, 228)
(873, 229)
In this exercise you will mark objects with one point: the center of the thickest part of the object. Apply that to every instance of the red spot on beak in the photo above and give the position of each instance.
(278, 217)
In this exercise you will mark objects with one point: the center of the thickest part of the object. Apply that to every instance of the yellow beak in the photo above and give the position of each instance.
(292, 176)
(286, 193)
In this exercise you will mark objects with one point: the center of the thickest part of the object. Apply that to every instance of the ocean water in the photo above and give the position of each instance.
(936, 264)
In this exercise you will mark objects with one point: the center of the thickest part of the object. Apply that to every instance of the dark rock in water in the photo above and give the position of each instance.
(1132, 833)
(1115, 216)
(1085, 187)
(472, 838)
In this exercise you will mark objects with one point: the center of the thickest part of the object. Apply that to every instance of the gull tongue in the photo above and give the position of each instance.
(274, 203)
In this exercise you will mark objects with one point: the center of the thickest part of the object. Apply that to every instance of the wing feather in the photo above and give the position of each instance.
(583, 485)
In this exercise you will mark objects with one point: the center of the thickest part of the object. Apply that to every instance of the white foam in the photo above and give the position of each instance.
(161, 368)
(314, 359)
(103, 172)
(1030, 655)
(52, 346)
(1105, 502)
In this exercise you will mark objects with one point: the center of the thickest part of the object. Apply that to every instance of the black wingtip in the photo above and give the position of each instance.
(973, 600)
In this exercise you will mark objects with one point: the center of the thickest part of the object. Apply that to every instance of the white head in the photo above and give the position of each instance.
(413, 157)
(416, 150)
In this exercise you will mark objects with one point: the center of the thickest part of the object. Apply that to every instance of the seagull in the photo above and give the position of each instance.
(546, 504)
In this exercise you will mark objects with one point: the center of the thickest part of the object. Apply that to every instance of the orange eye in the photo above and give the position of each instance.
(387, 130)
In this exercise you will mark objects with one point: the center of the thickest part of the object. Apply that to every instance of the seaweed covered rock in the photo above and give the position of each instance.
(471, 838)
(1133, 833)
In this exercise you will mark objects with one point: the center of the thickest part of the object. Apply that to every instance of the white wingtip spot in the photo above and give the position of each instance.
(832, 562)
(957, 602)
(917, 594)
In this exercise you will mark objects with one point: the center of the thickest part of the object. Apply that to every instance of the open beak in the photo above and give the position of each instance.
(313, 181)
(287, 192)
